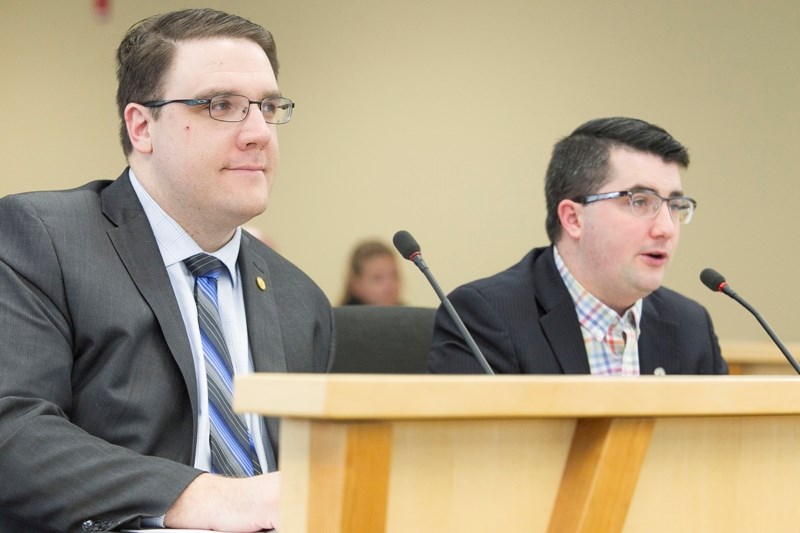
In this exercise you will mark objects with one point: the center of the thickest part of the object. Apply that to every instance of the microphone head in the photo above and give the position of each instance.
(712, 279)
(406, 244)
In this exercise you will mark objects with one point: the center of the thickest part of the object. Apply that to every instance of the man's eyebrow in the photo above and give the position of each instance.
(642, 188)
(210, 93)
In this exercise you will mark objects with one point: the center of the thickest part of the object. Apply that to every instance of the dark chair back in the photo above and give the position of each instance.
(374, 339)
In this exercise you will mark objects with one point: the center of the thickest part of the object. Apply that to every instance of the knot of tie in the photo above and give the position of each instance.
(203, 265)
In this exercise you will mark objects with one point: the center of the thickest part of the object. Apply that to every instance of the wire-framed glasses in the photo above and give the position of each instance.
(646, 203)
(234, 107)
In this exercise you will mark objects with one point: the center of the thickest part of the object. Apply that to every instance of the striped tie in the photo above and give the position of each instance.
(232, 450)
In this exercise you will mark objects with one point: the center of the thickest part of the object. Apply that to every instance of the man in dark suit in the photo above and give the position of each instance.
(106, 414)
(592, 301)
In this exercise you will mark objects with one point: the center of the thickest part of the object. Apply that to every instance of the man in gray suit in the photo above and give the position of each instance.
(106, 414)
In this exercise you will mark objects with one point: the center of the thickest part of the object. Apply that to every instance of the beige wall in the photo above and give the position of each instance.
(438, 116)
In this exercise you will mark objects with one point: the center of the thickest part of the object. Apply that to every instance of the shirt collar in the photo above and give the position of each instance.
(174, 243)
(595, 316)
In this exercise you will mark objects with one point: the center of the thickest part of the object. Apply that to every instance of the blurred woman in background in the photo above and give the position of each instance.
(373, 277)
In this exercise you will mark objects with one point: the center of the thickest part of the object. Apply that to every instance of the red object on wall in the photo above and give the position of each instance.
(101, 8)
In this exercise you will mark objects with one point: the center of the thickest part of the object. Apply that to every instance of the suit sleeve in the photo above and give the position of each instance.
(54, 473)
(450, 354)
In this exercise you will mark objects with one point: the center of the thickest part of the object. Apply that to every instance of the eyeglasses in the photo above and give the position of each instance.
(647, 203)
(234, 107)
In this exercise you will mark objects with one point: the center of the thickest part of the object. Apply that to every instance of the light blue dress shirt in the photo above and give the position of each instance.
(176, 245)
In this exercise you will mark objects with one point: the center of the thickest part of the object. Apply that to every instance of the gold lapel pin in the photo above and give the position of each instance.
(261, 283)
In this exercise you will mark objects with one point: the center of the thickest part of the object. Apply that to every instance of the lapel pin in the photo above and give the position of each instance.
(261, 283)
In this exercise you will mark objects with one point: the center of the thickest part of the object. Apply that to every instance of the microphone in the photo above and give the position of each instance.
(716, 282)
(409, 249)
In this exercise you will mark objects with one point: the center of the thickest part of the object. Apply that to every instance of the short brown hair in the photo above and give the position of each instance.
(579, 164)
(146, 52)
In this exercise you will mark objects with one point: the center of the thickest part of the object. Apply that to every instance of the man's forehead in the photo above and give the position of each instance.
(629, 169)
(202, 64)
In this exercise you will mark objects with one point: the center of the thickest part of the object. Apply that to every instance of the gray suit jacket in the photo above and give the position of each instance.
(524, 321)
(98, 407)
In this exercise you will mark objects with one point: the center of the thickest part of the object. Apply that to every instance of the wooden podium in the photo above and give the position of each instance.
(392, 454)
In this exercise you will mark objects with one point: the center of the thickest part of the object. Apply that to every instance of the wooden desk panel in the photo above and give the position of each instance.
(389, 454)
(719, 474)
(758, 358)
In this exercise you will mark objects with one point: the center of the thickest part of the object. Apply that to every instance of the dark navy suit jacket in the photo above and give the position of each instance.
(524, 321)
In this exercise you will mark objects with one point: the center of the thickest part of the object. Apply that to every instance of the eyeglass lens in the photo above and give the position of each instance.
(234, 108)
(648, 204)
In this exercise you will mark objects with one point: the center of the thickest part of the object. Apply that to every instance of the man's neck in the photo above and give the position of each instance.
(583, 275)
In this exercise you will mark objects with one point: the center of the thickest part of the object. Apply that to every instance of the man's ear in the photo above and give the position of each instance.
(570, 214)
(138, 120)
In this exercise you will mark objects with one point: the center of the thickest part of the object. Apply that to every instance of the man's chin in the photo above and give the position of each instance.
(245, 215)
(650, 286)
(256, 204)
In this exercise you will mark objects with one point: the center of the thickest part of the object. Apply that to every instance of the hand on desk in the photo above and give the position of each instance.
(227, 504)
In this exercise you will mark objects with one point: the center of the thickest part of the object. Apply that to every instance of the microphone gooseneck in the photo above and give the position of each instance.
(410, 249)
(716, 282)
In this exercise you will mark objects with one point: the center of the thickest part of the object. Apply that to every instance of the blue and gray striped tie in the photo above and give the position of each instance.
(232, 450)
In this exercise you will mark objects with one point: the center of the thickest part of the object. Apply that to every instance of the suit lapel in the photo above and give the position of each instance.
(136, 246)
(560, 322)
(263, 326)
(263, 322)
(663, 353)
(565, 339)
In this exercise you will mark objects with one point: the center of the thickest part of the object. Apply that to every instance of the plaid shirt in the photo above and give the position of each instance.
(611, 340)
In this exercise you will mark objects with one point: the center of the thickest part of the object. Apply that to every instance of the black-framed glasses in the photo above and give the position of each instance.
(647, 203)
(234, 107)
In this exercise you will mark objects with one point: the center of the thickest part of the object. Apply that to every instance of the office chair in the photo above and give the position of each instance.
(376, 339)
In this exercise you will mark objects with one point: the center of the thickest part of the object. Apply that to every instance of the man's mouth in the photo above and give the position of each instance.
(248, 167)
(657, 255)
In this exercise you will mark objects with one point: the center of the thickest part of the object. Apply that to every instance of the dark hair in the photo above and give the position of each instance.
(579, 164)
(146, 52)
(355, 266)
